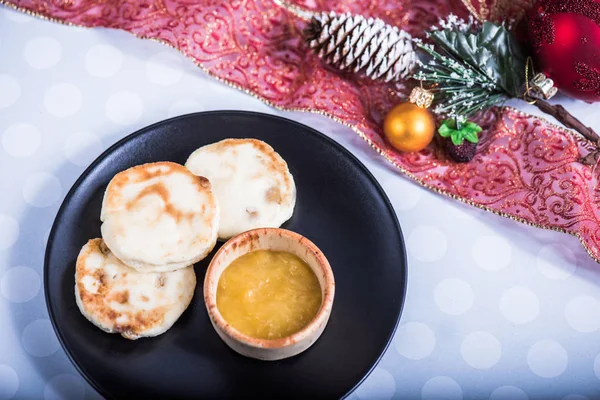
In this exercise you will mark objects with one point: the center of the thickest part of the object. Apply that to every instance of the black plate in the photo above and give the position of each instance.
(340, 207)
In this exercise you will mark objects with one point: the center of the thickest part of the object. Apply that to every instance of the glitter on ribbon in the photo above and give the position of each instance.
(525, 169)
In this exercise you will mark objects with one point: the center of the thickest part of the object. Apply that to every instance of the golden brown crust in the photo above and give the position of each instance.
(121, 297)
(273, 195)
(146, 172)
(160, 190)
(98, 303)
(151, 193)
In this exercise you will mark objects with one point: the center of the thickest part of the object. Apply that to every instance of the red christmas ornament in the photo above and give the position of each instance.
(565, 40)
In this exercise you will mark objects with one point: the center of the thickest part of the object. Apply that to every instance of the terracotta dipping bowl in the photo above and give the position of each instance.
(277, 240)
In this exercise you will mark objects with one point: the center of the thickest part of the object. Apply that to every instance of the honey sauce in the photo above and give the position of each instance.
(268, 294)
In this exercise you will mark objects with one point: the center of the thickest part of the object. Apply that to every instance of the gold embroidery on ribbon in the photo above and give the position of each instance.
(472, 9)
(354, 128)
(498, 10)
(483, 10)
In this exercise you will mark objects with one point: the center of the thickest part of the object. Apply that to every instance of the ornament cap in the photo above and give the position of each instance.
(421, 97)
(544, 85)
(540, 86)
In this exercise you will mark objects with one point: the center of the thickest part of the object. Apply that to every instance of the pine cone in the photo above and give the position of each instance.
(353, 42)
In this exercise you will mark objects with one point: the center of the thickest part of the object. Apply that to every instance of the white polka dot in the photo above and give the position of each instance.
(441, 388)
(42, 190)
(547, 359)
(9, 382)
(492, 253)
(103, 61)
(17, 16)
(519, 305)
(20, 284)
(556, 261)
(9, 231)
(380, 385)
(508, 393)
(481, 350)
(82, 148)
(414, 340)
(124, 108)
(403, 195)
(575, 397)
(186, 106)
(453, 296)
(597, 366)
(21, 139)
(39, 339)
(64, 387)
(164, 68)
(427, 244)
(9, 90)
(42, 52)
(583, 314)
(63, 100)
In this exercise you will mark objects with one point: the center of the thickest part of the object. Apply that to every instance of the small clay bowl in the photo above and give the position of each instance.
(278, 240)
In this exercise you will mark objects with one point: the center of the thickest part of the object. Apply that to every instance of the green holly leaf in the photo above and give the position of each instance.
(444, 130)
(457, 138)
(468, 131)
(493, 50)
(451, 123)
(472, 127)
(471, 137)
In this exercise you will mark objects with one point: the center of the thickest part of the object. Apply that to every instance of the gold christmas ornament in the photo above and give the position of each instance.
(409, 127)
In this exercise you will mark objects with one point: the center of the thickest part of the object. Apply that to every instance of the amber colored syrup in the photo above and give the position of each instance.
(268, 294)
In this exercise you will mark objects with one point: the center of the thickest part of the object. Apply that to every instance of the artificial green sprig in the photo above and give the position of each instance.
(458, 135)
(471, 67)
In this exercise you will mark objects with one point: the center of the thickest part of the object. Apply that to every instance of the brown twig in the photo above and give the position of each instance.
(568, 120)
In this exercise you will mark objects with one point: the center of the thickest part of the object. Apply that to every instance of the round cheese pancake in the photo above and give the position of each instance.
(252, 183)
(119, 299)
(159, 217)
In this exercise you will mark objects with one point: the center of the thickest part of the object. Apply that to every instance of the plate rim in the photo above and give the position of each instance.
(99, 389)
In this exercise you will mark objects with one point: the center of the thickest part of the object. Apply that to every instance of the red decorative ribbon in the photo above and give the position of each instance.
(525, 168)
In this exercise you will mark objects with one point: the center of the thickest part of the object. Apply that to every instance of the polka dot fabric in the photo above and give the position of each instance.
(494, 309)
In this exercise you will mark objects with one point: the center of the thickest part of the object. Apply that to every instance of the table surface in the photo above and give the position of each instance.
(494, 309)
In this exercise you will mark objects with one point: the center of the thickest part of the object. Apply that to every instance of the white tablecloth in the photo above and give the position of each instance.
(494, 309)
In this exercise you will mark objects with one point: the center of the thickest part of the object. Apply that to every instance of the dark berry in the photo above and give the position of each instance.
(463, 152)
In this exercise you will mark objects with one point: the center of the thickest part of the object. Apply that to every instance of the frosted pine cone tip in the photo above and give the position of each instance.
(359, 44)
